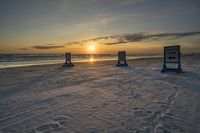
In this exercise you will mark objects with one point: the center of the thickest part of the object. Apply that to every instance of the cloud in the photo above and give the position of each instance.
(23, 49)
(130, 2)
(126, 38)
(149, 37)
(120, 39)
(48, 46)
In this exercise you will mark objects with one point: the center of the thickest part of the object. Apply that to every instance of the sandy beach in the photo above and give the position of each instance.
(97, 97)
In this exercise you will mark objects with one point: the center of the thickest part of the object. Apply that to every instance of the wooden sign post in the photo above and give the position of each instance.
(172, 55)
(122, 59)
(68, 62)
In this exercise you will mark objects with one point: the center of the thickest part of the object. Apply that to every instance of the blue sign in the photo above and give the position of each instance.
(172, 55)
(122, 59)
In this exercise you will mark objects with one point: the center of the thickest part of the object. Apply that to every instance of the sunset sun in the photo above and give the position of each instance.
(91, 47)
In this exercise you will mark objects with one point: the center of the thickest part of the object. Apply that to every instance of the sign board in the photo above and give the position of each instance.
(172, 55)
(122, 59)
(122, 55)
(68, 62)
(68, 56)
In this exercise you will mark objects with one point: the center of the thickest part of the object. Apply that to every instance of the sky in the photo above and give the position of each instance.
(98, 26)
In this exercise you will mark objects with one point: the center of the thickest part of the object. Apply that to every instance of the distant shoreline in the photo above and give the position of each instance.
(60, 61)
(95, 61)
(81, 62)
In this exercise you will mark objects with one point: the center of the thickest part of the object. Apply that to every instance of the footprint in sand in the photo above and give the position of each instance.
(62, 120)
(48, 127)
(162, 130)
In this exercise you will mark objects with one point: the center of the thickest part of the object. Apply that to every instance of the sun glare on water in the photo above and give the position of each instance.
(91, 48)
(91, 59)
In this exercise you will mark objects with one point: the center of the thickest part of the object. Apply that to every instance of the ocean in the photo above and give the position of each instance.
(18, 60)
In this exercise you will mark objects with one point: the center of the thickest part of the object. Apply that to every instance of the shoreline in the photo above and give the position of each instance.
(80, 62)
(84, 61)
